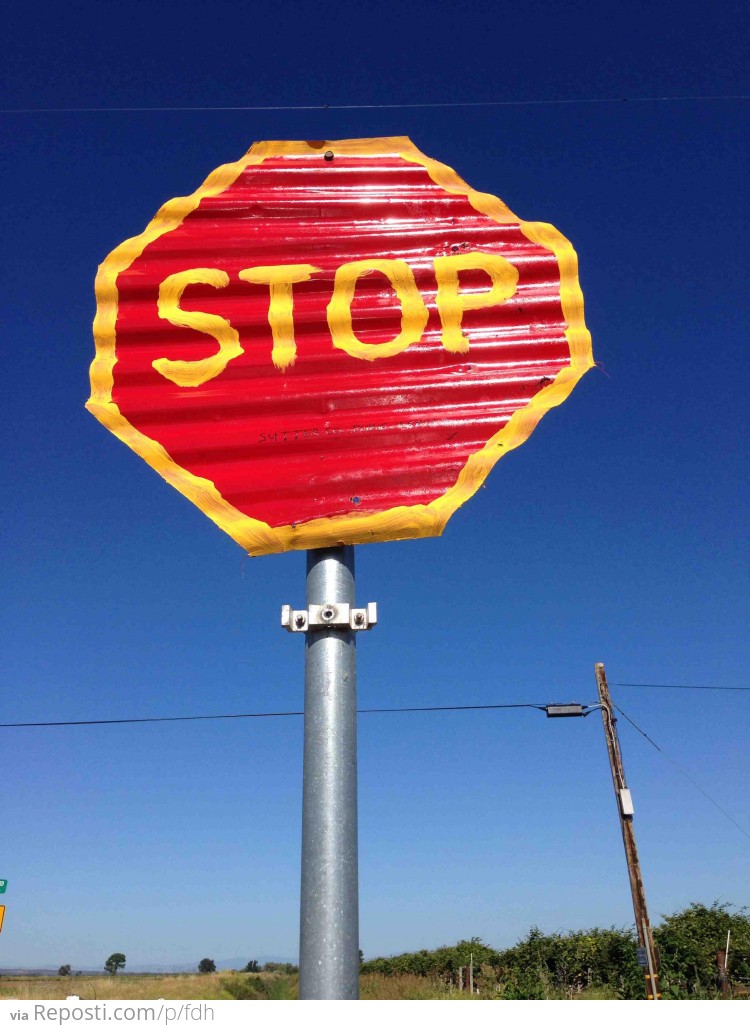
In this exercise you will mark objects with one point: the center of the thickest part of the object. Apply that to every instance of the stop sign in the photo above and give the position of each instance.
(334, 342)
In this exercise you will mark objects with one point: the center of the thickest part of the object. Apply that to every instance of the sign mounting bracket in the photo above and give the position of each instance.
(341, 616)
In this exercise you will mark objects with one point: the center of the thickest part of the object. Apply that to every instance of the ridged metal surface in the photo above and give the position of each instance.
(333, 434)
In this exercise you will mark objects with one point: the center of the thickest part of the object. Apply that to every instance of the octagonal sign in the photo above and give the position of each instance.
(334, 342)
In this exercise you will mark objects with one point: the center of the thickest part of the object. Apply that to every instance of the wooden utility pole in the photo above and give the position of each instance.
(625, 811)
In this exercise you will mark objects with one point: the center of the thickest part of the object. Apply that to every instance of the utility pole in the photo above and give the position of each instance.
(625, 811)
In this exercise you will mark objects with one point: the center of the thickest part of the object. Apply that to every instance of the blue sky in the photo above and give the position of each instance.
(614, 534)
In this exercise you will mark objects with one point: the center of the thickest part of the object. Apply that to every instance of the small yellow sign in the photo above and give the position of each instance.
(2, 915)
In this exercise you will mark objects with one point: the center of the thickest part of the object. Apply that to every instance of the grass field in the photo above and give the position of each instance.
(182, 987)
(226, 987)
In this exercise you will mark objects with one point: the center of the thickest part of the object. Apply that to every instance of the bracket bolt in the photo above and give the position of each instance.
(327, 613)
(299, 620)
(359, 619)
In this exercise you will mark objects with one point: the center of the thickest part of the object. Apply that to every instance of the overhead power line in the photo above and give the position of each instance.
(685, 687)
(569, 102)
(541, 706)
(396, 709)
(262, 715)
(685, 774)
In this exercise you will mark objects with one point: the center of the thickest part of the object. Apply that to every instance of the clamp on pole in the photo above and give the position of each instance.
(340, 616)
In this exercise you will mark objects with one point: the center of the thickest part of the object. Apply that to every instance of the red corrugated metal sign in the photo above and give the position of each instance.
(334, 342)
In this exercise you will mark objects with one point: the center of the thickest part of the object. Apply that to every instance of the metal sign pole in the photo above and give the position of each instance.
(329, 905)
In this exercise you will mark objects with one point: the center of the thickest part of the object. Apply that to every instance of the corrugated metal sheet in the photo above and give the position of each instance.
(330, 436)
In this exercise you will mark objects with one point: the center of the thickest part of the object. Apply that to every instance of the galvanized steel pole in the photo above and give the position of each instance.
(329, 909)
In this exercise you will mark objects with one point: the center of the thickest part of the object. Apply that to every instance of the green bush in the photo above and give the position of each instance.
(588, 963)
(260, 988)
(245, 988)
(538, 967)
(289, 968)
(441, 962)
(571, 963)
(688, 942)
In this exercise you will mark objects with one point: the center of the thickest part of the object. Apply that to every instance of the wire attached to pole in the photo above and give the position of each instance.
(685, 774)
(263, 715)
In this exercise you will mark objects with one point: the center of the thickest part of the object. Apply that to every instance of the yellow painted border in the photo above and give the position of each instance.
(419, 521)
